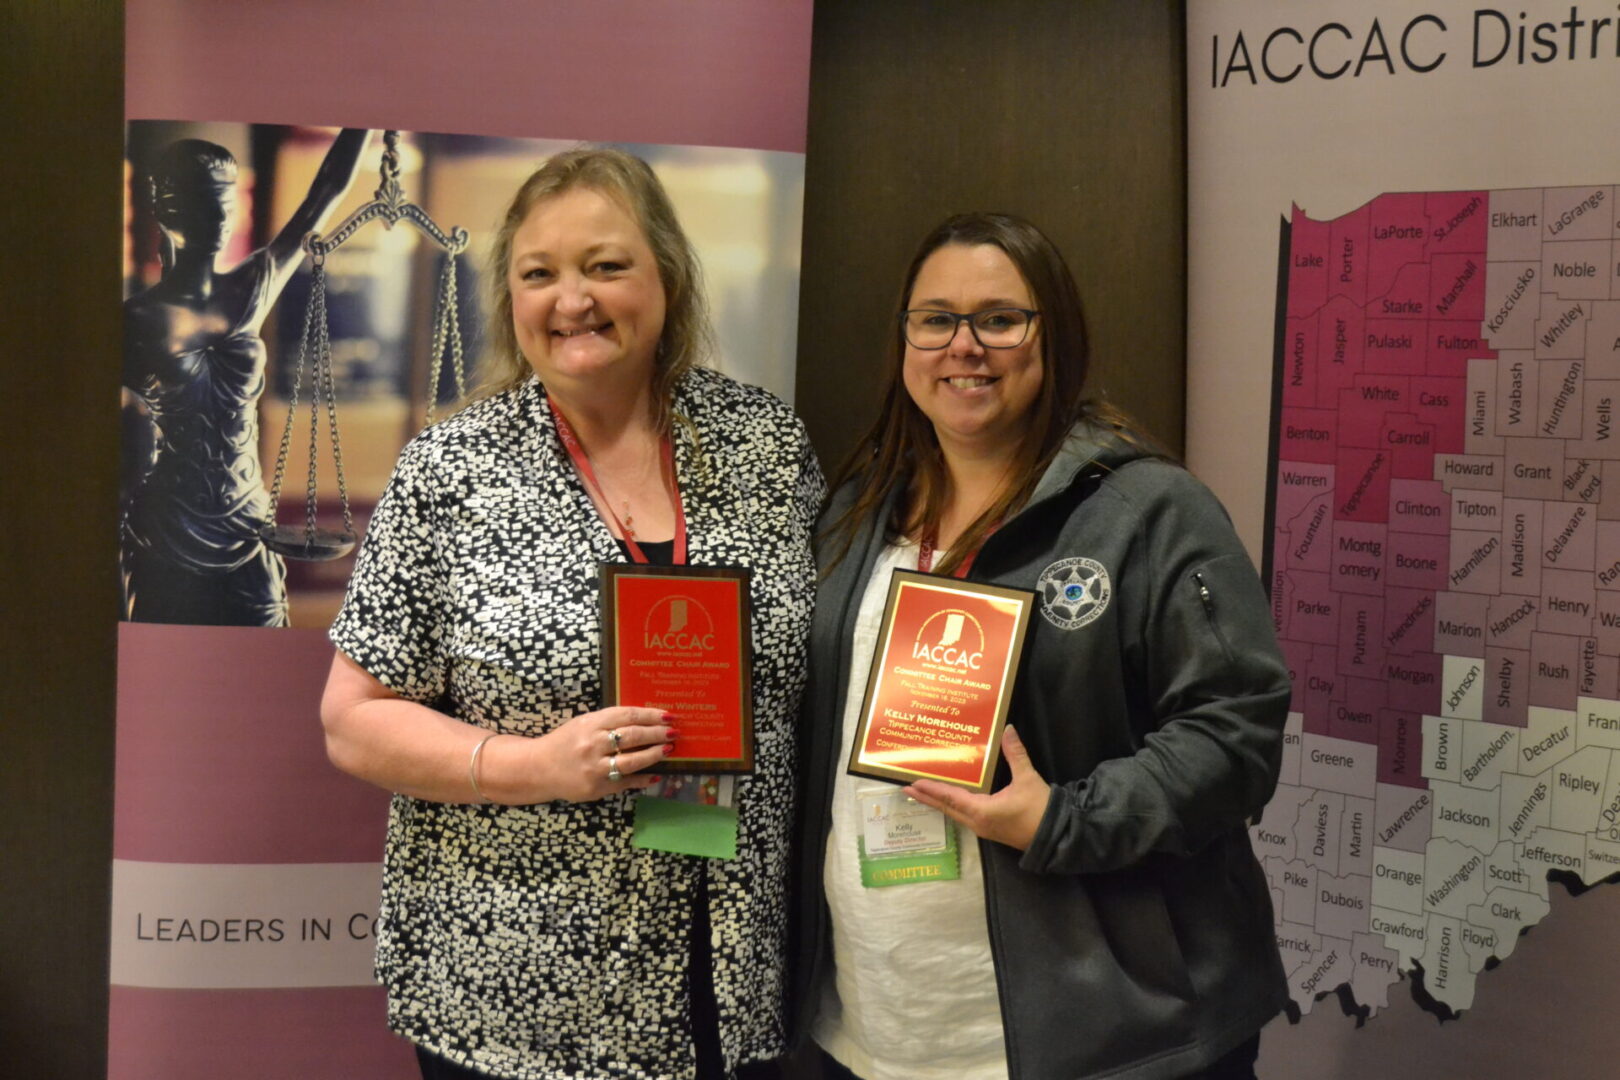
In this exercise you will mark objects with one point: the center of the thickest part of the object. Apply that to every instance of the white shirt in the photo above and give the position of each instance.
(912, 995)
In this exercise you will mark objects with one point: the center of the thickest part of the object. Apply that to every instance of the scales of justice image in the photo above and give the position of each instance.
(200, 539)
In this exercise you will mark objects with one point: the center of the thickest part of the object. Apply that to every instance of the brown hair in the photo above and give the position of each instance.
(901, 450)
(686, 341)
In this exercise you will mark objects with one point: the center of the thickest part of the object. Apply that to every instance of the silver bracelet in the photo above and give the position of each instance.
(472, 768)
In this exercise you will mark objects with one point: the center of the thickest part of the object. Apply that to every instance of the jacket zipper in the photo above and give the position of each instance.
(987, 872)
(1208, 600)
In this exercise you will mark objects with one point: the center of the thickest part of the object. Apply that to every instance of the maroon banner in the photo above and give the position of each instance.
(696, 73)
(246, 868)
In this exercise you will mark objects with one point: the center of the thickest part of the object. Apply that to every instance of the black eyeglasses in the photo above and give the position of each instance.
(994, 328)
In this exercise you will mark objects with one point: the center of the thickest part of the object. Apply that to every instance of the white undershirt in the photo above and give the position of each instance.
(913, 992)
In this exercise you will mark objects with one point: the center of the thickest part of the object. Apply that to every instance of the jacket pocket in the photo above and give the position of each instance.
(1206, 598)
(1135, 920)
(1235, 616)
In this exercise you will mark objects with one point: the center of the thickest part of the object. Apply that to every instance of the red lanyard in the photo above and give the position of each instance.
(925, 557)
(570, 441)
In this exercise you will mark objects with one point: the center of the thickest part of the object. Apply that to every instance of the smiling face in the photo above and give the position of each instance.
(976, 398)
(587, 302)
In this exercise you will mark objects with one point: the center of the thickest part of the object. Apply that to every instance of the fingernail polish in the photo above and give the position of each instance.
(667, 718)
(671, 733)
(669, 748)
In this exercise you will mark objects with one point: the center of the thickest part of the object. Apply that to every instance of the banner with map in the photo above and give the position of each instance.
(1404, 350)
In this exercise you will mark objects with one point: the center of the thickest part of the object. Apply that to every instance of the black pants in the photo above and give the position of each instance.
(435, 1067)
(1236, 1065)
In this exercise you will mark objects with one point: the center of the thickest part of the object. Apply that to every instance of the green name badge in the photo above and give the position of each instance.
(689, 815)
(685, 828)
(903, 842)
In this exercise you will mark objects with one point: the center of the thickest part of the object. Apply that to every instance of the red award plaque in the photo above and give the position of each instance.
(941, 681)
(677, 638)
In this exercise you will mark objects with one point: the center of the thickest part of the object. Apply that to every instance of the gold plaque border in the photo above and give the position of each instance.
(950, 585)
(611, 574)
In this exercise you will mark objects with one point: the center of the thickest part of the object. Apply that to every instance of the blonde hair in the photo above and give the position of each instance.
(686, 341)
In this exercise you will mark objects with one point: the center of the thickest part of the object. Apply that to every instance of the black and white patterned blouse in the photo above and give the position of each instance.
(535, 941)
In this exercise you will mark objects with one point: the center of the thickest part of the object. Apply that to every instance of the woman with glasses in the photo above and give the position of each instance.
(1101, 912)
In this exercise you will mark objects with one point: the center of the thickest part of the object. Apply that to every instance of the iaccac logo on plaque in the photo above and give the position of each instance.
(949, 648)
(674, 612)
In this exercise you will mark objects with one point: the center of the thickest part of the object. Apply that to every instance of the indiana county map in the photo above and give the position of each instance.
(1444, 567)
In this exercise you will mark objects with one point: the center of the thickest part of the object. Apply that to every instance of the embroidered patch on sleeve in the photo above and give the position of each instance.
(1074, 592)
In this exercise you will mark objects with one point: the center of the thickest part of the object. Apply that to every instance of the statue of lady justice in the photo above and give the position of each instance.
(194, 364)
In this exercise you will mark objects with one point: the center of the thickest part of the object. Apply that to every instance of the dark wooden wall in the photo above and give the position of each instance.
(61, 96)
(1070, 113)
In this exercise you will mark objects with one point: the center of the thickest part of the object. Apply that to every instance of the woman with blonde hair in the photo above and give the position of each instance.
(522, 932)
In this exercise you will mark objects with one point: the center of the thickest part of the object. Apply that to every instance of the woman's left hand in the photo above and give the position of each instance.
(1011, 815)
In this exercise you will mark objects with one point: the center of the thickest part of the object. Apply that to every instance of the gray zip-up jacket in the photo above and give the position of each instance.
(1135, 937)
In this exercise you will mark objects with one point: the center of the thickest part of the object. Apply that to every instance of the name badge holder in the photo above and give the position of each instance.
(902, 842)
(677, 638)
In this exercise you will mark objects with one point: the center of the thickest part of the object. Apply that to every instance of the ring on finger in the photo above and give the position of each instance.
(614, 775)
(613, 737)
